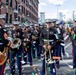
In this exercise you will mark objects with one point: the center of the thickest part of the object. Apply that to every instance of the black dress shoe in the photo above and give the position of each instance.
(30, 64)
(74, 66)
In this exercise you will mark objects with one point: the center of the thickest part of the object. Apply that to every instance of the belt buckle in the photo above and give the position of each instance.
(26, 39)
(1, 43)
(46, 42)
(34, 41)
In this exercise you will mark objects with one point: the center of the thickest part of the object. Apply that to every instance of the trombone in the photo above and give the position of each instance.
(47, 48)
(51, 59)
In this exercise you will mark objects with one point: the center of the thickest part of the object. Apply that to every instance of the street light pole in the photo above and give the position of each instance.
(57, 10)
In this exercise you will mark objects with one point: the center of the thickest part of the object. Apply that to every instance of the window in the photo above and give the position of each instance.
(10, 18)
(21, 19)
(11, 3)
(19, 8)
(27, 3)
(29, 6)
(22, 9)
(15, 16)
(18, 18)
(6, 17)
(26, 12)
(16, 5)
(24, 1)
(7, 2)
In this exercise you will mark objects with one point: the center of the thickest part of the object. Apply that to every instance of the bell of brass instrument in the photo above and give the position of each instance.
(3, 56)
(16, 43)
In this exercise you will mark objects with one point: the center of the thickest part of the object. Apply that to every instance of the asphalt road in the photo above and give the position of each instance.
(66, 67)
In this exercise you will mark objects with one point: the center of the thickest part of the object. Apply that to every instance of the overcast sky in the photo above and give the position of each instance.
(49, 7)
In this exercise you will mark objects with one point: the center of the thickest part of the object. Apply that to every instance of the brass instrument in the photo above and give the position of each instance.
(33, 37)
(3, 56)
(16, 43)
(50, 60)
(46, 42)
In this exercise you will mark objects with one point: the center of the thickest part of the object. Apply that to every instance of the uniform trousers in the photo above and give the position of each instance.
(18, 56)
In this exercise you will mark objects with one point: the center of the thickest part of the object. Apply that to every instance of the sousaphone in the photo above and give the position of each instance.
(3, 56)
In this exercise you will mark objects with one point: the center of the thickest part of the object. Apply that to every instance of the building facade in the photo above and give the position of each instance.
(20, 10)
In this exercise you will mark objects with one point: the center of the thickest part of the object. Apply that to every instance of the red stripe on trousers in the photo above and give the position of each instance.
(2, 68)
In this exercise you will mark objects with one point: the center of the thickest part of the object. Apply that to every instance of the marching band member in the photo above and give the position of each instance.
(58, 47)
(3, 43)
(62, 39)
(60, 43)
(15, 52)
(41, 39)
(28, 46)
(36, 42)
(49, 42)
(24, 51)
(73, 33)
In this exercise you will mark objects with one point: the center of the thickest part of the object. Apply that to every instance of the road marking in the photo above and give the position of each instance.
(67, 54)
(33, 65)
(38, 69)
(67, 45)
(70, 66)
(25, 66)
(68, 61)
(65, 38)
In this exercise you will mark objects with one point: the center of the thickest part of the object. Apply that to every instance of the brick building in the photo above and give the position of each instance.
(20, 10)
